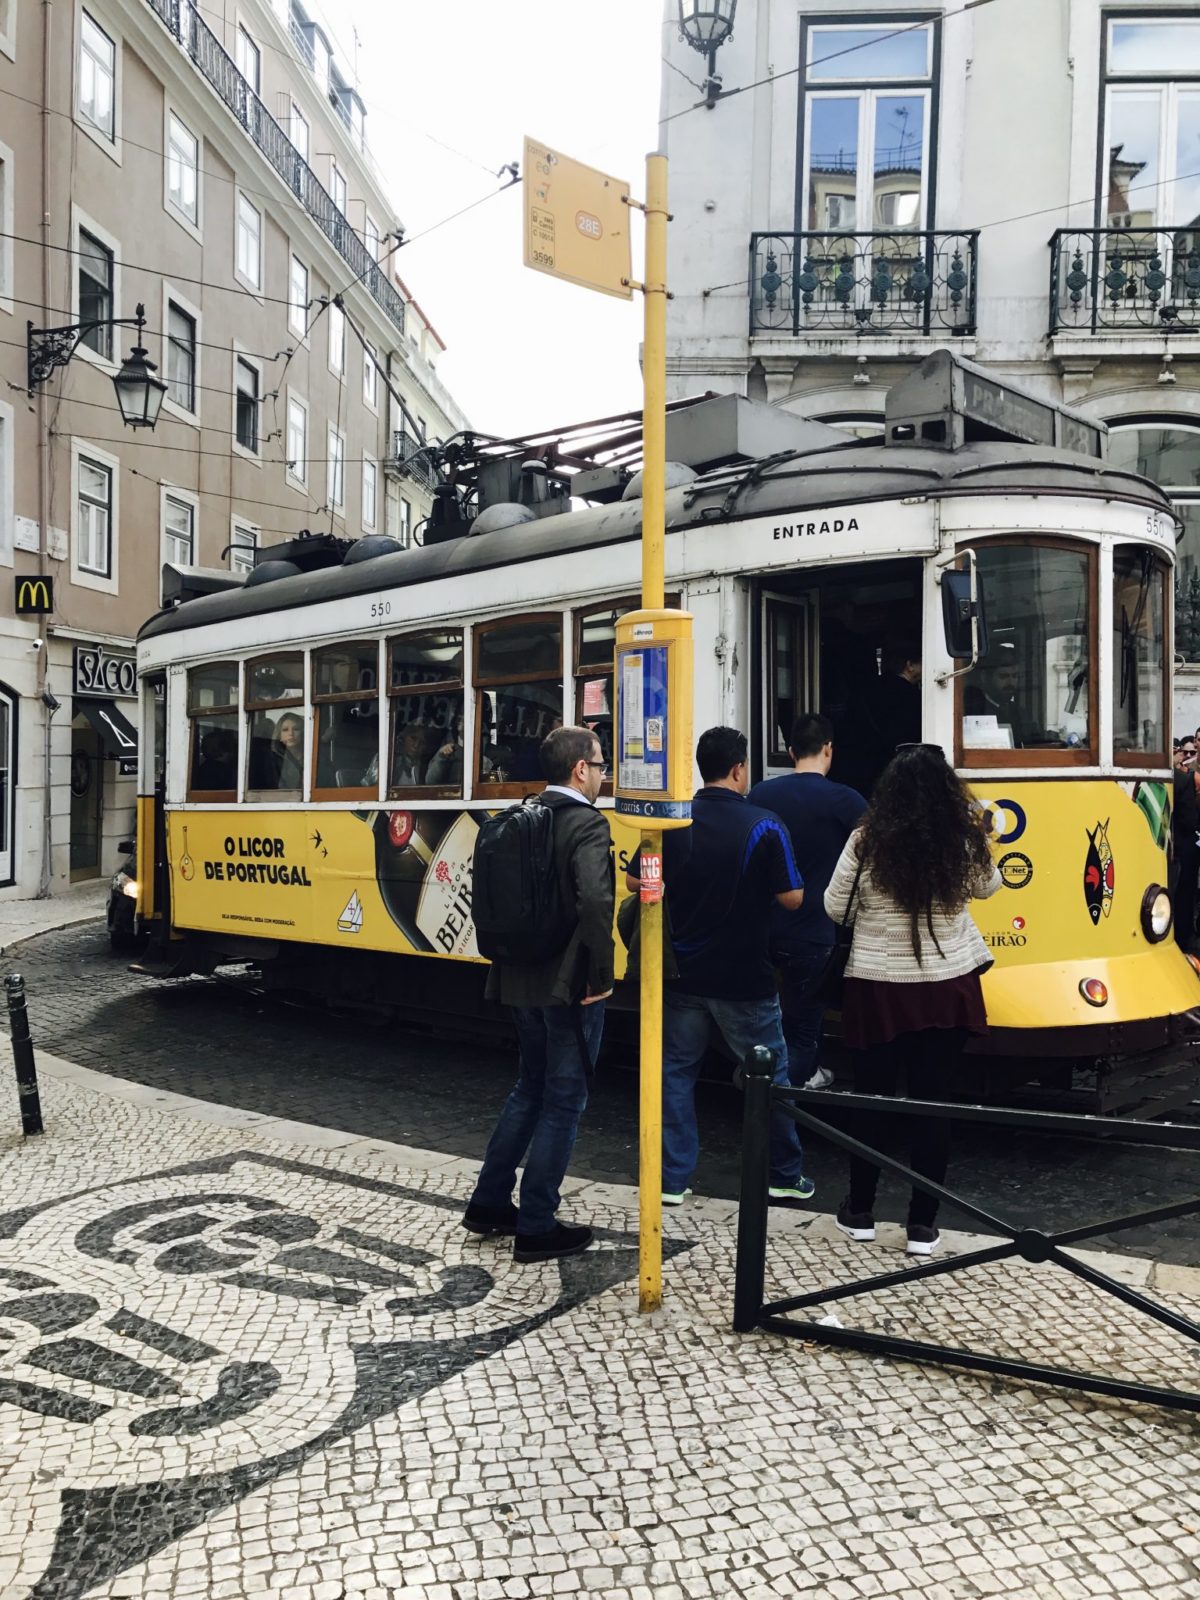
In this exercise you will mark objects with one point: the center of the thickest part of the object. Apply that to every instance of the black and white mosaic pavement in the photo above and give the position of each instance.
(172, 1342)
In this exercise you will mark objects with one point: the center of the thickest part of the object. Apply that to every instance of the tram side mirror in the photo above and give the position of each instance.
(963, 619)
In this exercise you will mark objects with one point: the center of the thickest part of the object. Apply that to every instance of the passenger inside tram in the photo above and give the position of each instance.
(277, 753)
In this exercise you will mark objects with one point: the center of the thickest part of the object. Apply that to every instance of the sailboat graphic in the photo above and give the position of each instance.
(187, 867)
(351, 919)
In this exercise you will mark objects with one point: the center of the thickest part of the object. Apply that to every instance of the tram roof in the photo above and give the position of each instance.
(858, 472)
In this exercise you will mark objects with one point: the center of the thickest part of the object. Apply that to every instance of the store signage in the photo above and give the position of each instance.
(104, 675)
(34, 596)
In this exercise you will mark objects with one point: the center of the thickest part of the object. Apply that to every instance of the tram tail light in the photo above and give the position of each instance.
(1094, 992)
(1156, 913)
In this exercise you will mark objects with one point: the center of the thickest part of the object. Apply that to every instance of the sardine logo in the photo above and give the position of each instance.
(1099, 873)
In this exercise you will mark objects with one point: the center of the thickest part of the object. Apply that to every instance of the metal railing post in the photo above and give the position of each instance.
(758, 1073)
(22, 1049)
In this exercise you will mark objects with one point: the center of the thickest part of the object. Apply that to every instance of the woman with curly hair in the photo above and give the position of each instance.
(906, 879)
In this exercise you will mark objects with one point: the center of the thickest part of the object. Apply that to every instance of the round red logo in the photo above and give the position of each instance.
(400, 827)
(1018, 923)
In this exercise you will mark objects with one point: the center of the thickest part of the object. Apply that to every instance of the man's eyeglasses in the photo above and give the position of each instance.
(1188, 751)
(602, 767)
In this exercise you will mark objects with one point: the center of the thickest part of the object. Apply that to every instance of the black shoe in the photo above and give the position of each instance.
(922, 1241)
(488, 1220)
(856, 1225)
(560, 1241)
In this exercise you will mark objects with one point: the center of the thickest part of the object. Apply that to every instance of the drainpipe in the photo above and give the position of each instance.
(43, 424)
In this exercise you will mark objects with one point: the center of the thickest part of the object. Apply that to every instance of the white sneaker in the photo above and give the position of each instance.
(922, 1241)
(675, 1199)
(821, 1079)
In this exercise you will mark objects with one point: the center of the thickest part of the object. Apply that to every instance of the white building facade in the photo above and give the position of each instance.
(213, 164)
(1018, 182)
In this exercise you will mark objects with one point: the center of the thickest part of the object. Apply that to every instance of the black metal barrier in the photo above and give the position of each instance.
(22, 1049)
(763, 1098)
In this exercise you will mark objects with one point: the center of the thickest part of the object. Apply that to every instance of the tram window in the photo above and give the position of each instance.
(274, 705)
(212, 706)
(346, 709)
(425, 702)
(1035, 689)
(1139, 657)
(518, 680)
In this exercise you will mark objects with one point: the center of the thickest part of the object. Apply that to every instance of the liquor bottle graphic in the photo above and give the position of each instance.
(187, 867)
(406, 847)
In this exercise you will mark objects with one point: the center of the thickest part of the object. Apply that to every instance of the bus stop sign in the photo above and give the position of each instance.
(576, 222)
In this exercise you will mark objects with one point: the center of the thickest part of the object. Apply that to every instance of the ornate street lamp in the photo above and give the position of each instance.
(706, 24)
(139, 392)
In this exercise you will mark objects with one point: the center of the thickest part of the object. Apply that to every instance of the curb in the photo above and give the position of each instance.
(69, 920)
(1135, 1271)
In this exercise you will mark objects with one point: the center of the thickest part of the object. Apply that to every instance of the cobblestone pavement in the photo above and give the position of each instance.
(239, 1358)
(205, 1039)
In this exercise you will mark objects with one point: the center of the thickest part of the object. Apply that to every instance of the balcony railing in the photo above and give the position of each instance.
(409, 460)
(302, 41)
(218, 68)
(1125, 280)
(887, 283)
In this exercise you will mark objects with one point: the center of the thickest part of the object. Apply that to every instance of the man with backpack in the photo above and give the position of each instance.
(542, 900)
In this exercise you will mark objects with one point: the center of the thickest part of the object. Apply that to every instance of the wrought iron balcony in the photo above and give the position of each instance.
(221, 73)
(1122, 280)
(409, 459)
(873, 284)
(302, 39)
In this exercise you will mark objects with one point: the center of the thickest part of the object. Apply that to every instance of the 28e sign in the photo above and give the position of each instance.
(33, 597)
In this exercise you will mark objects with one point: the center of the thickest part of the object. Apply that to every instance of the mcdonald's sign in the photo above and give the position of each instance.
(34, 596)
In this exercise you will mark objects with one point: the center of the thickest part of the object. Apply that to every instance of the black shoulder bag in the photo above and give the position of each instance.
(829, 985)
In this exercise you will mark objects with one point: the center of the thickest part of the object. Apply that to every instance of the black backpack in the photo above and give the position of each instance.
(516, 897)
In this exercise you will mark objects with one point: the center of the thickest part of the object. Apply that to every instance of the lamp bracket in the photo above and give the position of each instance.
(50, 348)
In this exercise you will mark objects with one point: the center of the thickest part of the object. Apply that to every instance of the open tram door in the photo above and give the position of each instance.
(844, 641)
(153, 880)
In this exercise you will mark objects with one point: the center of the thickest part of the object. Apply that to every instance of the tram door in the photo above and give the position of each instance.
(791, 670)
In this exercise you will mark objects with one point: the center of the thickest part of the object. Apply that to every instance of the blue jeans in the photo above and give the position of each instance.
(742, 1024)
(542, 1113)
(803, 1019)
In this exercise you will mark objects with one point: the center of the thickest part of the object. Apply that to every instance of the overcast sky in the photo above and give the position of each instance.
(524, 350)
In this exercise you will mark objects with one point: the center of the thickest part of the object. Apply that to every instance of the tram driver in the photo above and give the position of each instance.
(996, 695)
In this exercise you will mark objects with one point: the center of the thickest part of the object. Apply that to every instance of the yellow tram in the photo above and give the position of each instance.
(319, 743)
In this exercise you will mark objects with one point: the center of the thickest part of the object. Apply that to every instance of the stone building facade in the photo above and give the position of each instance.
(212, 164)
(1018, 182)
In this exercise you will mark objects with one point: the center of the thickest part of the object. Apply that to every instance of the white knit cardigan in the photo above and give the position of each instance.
(882, 949)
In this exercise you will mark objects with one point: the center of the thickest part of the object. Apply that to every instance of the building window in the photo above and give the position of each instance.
(371, 238)
(246, 406)
(370, 480)
(97, 77)
(297, 439)
(337, 339)
(337, 187)
(179, 530)
(337, 469)
(249, 60)
(248, 260)
(1152, 129)
(298, 297)
(405, 521)
(96, 292)
(1168, 453)
(391, 509)
(93, 551)
(865, 145)
(300, 131)
(183, 170)
(243, 543)
(7, 228)
(370, 378)
(181, 357)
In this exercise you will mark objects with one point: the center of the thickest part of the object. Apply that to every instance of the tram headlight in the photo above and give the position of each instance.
(1156, 913)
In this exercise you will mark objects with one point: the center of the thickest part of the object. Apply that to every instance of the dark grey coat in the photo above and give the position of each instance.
(583, 854)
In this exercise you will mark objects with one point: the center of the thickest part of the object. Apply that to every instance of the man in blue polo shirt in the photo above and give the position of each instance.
(722, 877)
(820, 816)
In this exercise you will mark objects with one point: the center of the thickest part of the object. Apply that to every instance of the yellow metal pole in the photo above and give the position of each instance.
(654, 468)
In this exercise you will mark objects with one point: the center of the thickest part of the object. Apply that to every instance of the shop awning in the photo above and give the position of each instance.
(113, 726)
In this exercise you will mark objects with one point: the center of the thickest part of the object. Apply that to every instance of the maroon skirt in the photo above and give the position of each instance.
(875, 1013)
